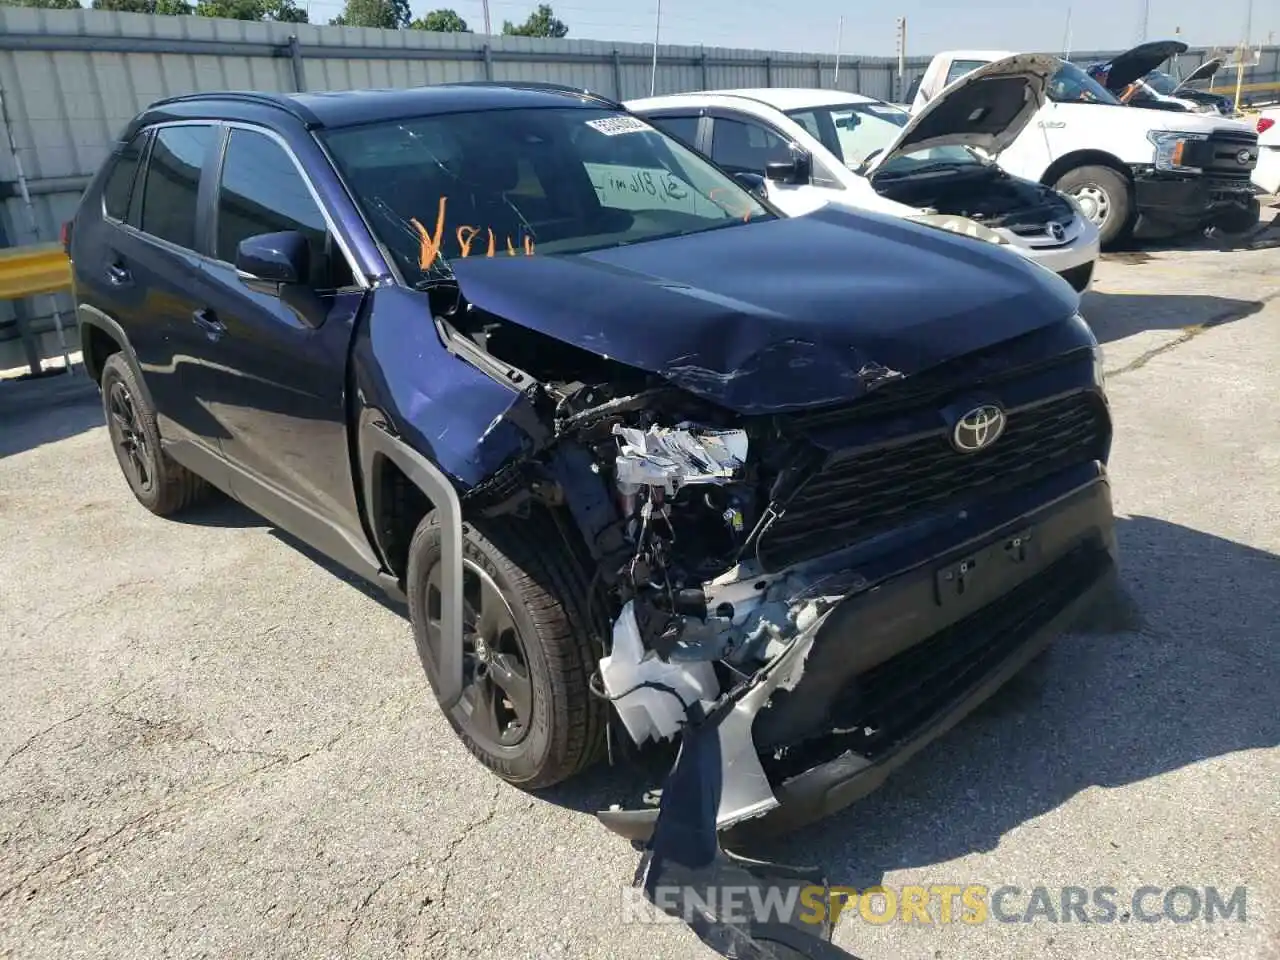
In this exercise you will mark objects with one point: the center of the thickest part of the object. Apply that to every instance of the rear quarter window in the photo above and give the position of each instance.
(118, 189)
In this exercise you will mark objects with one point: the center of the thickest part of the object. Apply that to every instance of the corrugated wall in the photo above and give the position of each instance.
(73, 79)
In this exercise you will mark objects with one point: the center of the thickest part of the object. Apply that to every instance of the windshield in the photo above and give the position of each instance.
(528, 181)
(857, 133)
(1160, 82)
(1072, 85)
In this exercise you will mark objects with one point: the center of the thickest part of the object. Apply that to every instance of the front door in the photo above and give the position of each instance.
(283, 373)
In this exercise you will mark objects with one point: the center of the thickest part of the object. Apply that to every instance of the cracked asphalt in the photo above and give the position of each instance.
(215, 746)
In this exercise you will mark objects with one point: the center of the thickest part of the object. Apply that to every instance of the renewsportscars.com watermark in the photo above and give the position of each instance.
(937, 904)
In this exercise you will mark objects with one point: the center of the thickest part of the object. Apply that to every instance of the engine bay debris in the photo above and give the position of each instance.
(674, 458)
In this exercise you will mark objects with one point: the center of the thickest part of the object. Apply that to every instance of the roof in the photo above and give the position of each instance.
(780, 98)
(346, 108)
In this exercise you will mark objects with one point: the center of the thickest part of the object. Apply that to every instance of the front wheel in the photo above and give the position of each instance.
(1105, 197)
(527, 712)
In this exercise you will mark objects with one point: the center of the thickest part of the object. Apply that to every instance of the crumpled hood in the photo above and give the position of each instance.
(780, 314)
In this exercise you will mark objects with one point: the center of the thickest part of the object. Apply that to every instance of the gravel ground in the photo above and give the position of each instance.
(213, 745)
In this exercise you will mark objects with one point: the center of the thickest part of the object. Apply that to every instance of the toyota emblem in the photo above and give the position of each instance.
(978, 429)
(1057, 231)
(1244, 157)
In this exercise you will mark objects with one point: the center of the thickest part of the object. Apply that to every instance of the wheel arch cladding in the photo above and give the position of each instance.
(376, 443)
(100, 338)
(444, 425)
(1084, 158)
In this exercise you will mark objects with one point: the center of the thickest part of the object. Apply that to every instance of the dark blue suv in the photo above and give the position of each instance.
(641, 455)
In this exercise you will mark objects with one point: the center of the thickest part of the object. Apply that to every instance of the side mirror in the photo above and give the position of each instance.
(794, 171)
(269, 262)
(752, 182)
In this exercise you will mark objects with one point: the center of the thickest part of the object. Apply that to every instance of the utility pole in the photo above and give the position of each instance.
(657, 29)
(487, 27)
(835, 81)
(902, 57)
(1146, 17)
(1066, 37)
(1244, 51)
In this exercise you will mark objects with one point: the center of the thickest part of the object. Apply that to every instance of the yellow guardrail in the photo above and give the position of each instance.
(27, 271)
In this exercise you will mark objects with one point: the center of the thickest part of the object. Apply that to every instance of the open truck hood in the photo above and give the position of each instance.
(1129, 66)
(986, 109)
(1202, 72)
(779, 314)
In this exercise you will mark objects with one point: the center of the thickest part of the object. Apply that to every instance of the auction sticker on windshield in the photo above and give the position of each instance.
(612, 126)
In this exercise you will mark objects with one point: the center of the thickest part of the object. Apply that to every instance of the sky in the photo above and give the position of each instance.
(869, 28)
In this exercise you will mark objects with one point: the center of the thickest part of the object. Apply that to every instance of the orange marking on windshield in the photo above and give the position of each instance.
(429, 242)
(429, 246)
(711, 195)
(464, 245)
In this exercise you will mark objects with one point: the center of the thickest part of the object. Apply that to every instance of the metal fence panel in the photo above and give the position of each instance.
(72, 79)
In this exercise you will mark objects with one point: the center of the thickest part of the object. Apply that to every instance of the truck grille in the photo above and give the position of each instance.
(1219, 155)
(864, 491)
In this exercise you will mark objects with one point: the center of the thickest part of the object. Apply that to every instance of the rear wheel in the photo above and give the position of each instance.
(1106, 198)
(526, 711)
(159, 483)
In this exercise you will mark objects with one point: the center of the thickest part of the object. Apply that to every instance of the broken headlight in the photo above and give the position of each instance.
(1171, 149)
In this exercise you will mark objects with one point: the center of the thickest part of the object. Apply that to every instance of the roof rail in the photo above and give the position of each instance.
(538, 85)
(279, 101)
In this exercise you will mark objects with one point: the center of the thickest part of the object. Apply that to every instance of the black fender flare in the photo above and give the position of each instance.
(88, 316)
(375, 441)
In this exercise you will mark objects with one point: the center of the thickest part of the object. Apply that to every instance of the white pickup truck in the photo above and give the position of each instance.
(1132, 170)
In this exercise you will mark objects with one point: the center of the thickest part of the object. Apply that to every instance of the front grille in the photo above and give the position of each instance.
(1218, 155)
(892, 701)
(861, 492)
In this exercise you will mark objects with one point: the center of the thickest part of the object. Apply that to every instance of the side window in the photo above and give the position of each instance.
(173, 181)
(262, 192)
(118, 189)
(742, 147)
(684, 129)
(961, 68)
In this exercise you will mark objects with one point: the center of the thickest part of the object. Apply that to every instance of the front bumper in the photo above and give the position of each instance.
(1081, 247)
(915, 663)
(1188, 201)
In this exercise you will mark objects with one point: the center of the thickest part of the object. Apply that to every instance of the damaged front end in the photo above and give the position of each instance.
(748, 567)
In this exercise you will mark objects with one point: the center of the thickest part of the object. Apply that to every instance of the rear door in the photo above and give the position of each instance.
(281, 372)
(148, 271)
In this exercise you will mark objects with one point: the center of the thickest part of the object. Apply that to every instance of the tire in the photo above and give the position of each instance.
(539, 581)
(1102, 187)
(1079, 277)
(159, 482)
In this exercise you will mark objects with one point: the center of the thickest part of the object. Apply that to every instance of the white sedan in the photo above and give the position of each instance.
(815, 147)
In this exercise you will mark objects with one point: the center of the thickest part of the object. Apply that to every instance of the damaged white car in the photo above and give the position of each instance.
(814, 147)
